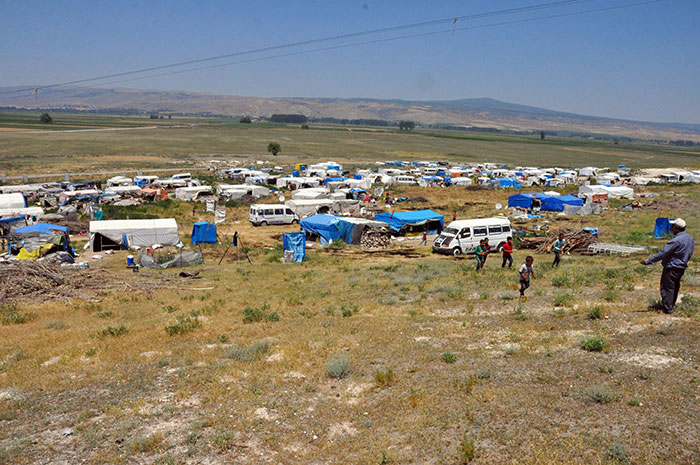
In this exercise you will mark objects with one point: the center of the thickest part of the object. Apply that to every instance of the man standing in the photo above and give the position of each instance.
(674, 258)
(558, 248)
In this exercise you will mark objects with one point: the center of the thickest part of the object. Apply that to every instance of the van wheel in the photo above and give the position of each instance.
(263, 223)
(500, 247)
(295, 221)
(456, 251)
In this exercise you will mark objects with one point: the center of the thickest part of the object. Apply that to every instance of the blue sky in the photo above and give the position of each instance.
(636, 63)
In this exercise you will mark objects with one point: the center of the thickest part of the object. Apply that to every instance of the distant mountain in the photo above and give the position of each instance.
(465, 113)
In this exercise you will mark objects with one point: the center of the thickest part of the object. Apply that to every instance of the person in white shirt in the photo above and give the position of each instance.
(526, 271)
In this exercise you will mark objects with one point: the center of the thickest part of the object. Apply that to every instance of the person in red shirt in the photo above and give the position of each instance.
(487, 247)
(454, 215)
(508, 253)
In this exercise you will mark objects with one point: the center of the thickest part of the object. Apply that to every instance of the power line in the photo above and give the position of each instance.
(453, 20)
(389, 39)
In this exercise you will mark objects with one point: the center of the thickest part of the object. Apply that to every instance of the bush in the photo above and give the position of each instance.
(611, 295)
(384, 377)
(448, 357)
(467, 450)
(55, 324)
(518, 313)
(248, 354)
(113, 331)
(600, 394)
(254, 314)
(617, 452)
(563, 300)
(561, 281)
(595, 313)
(634, 402)
(184, 325)
(483, 373)
(689, 306)
(149, 443)
(594, 343)
(338, 366)
(11, 315)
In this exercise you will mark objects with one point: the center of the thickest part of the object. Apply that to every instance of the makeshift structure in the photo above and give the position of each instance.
(296, 243)
(662, 228)
(117, 234)
(413, 221)
(203, 232)
(40, 239)
(526, 200)
(557, 204)
(179, 260)
(14, 200)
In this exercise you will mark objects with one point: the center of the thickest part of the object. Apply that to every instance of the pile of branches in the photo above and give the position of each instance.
(374, 239)
(43, 278)
(577, 240)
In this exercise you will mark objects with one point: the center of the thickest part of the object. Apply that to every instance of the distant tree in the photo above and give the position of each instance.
(153, 116)
(274, 148)
(288, 118)
(170, 116)
(541, 135)
(46, 118)
(245, 120)
(305, 126)
(407, 125)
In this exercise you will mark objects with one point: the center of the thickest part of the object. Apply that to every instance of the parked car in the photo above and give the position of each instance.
(462, 236)
(263, 215)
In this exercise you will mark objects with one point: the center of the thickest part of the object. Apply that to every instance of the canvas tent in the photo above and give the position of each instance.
(15, 200)
(556, 204)
(203, 232)
(115, 234)
(412, 221)
(614, 192)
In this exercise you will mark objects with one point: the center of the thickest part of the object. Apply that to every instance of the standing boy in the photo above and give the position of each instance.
(480, 253)
(558, 248)
(526, 271)
(487, 251)
(507, 253)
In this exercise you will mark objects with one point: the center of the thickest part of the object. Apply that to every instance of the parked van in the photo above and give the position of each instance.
(405, 180)
(183, 176)
(462, 236)
(262, 215)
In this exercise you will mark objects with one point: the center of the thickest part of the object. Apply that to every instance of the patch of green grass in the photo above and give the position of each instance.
(448, 357)
(251, 353)
(467, 451)
(563, 300)
(518, 313)
(113, 331)
(12, 315)
(339, 366)
(385, 377)
(483, 373)
(600, 394)
(595, 313)
(634, 402)
(55, 324)
(105, 314)
(595, 343)
(689, 306)
(618, 452)
(611, 295)
(185, 324)
(255, 314)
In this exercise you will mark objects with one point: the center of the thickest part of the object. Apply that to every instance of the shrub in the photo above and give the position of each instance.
(594, 313)
(224, 441)
(113, 331)
(384, 377)
(55, 324)
(248, 354)
(664, 330)
(467, 450)
(611, 295)
(600, 394)
(594, 343)
(483, 373)
(338, 366)
(518, 313)
(149, 443)
(561, 281)
(563, 300)
(254, 314)
(689, 306)
(617, 452)
(508, 295)
(105, 314)
(448, 357)
(183, 325)
(634, 402)
(273, 316)
(11, 315)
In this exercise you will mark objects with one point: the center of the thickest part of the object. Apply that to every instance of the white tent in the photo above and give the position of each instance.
(15, 200)
(24, 188)
(119, 181)
(310, 194)
(236, 191)
(31, 211)
(613, 192)
(461, 181)
(137, 233)
(121, 190)
(307, 207)
(192, 193)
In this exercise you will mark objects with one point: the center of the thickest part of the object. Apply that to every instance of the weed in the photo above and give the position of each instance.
(610, 284)
(563, 300)
(384, 460)
(105, 314)
(56, 324)
(338, 366)
(595, 313)
(224, 441)
(149, 443)
(561, 281)
(691, 279)
(665, 330)
(617, 452)
(91, 352)
(448, 357)
(113, 331)
(248, 354)
(594, 343)
(384, 378)
(508, 295)
(483, 373)
(254, 314)
(518, 313)
(689, 306)
(92, 307)
(272, 316)
(634, 402)
(11, 315)
(606, 370)
(611, 295)
(600, 394)
(467, 451)
(559, 312)
(223, 338)
(484, 295)
(183, 325)
(465, 386)
(511, 349)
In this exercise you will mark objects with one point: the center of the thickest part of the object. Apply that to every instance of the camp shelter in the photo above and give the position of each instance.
(14, 200)
(662, 228)
(203, 232)
(150, 193)
(192, 193)
(41, 238)
(614, 192)
(296, 242)
(557, 203)
(115, 234)
(36, 212)
(327, 227)
(303, 207)
(312, 193)
(178, 260)
(412, 221)
(525, 200)
(502, 183)
(123, 190)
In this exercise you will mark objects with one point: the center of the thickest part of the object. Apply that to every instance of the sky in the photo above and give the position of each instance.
(640, 63)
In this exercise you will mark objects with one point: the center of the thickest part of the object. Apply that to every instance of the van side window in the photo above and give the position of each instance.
(479, 231)
(464, 233)
(506, 229)
(252, 211)
(494, 230)
(288, 211)
(268, 212)
(279, 211)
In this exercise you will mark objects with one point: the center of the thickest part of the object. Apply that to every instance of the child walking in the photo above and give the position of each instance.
(507, 253)
(558, 248)
(526, 271)
(480, 253)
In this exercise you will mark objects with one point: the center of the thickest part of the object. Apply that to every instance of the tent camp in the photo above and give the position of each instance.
(557, 203)
(15, 200)
(203, 232)
(115, 234)
(526, 200)
(413, 221)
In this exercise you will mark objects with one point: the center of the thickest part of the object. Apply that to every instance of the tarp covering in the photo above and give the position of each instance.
(46, 232)
(203, 232)
(399, 220)
(295, 242)
(328, 228)
(662, 228)
(43, 228)
(556, 204)
(525, 200)
(171, 261)
(139, 233)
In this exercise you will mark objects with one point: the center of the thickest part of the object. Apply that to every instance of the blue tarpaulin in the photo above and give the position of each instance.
(556, 204)
(662, 228)
(46, 228)
(508, 182)
(297, 243)
(398, 220)
(327, 180)
(328, 228)
(203, 232)
(525, 200)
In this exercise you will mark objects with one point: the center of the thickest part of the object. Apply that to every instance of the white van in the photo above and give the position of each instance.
(404, 180)
(262, 215)
(182, 176)
(462, 236)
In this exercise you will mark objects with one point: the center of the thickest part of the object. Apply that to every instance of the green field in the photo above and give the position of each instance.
(192, 140)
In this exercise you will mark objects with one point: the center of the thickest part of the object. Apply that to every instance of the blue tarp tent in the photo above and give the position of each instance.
(328, 228)
(399, 220)
(662, 228)
(46, 228)
(327, 180)
(297, 243)
(203, 232)
(508, 182)
(525, 200)
(556, 204)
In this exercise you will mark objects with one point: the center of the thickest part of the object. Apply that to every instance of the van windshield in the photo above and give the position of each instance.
(452, 231)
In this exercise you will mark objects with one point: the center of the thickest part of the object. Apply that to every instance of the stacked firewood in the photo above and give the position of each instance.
(375, 239)
(576, 241)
